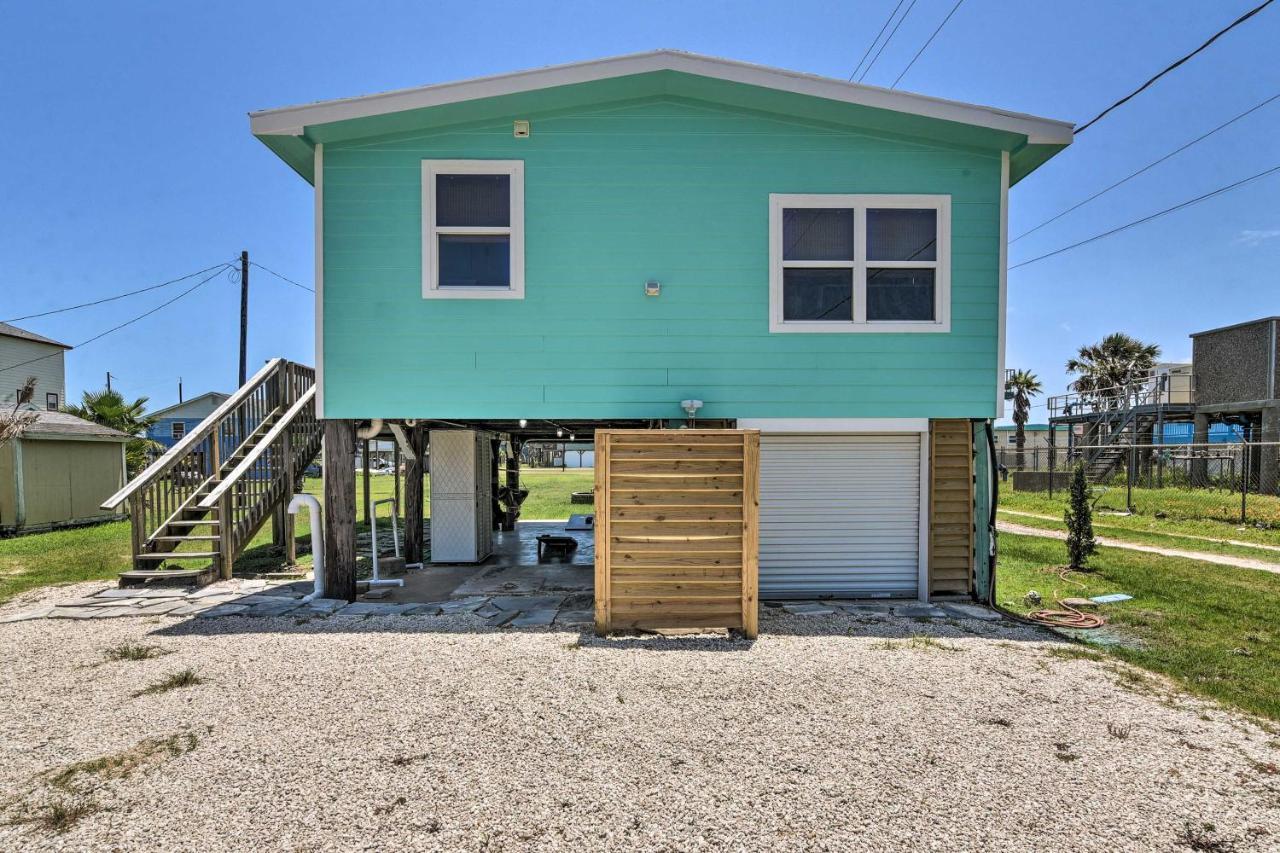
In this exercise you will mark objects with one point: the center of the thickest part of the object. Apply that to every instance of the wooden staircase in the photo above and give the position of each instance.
(195, 509)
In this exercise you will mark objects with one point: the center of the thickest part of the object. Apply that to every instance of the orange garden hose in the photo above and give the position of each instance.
(1067, 616)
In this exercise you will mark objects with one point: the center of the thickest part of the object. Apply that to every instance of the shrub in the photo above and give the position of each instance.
(1079, 519)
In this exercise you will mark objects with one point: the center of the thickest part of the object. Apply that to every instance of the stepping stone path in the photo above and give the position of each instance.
(258, 598)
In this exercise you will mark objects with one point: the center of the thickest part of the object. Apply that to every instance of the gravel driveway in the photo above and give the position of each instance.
(404, 733)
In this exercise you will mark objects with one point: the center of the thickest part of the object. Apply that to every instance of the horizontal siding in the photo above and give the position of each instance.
(668, 189)
(43, 361)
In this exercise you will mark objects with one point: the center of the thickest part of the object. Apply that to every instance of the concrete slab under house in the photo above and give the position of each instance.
(774, 302)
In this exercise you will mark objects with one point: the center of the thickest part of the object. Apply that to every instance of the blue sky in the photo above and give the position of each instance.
(128, 159)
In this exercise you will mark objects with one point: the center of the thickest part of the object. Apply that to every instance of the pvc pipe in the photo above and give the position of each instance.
(377, 579)
(372, 430)
(317, 541)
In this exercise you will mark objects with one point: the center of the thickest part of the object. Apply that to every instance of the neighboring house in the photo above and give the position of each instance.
(58, 472)
(1037, 436)
(25, 354)
(176, 421)
(589, 245)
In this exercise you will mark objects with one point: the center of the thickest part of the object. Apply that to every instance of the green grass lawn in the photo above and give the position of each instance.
(1214, 629)
(1189, 513)
(1144, 535)
(102, 551)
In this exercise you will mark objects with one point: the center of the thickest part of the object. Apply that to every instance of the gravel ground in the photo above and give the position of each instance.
(405, 733)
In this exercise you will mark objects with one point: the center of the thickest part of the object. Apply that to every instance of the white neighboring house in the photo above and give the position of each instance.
(25, 354)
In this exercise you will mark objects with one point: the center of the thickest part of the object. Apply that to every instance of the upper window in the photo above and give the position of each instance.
(179, 429)
(51, 401)
(860, 263)
(473, 229)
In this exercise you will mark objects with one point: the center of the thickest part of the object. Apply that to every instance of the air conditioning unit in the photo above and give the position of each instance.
(461, 495)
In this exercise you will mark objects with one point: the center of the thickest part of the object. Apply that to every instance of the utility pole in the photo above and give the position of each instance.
(108, 380)
(179, 389)
(244, 315)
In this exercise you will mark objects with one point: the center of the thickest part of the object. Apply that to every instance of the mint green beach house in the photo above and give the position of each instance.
(608, 243)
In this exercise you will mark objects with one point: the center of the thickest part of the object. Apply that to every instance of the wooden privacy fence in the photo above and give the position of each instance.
(677, 529)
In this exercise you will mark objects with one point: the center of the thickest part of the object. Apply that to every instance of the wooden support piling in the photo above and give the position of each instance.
(413, 503)
(340, 510)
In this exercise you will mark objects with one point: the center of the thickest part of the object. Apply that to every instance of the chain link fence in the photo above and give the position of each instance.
(1235, 482)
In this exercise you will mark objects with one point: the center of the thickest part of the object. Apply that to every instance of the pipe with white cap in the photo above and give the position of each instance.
(317, 541)
(372, 430)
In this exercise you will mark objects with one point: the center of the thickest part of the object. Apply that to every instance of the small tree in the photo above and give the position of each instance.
(1024, 385)
(1079, 518)
(14, 423)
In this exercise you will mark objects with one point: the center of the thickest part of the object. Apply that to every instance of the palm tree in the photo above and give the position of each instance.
(1024, 385)
(108, 408)
(1106, 370)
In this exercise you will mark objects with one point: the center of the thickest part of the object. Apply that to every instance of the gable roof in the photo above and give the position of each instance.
(218, 398)
(15, 332)
(288, 130)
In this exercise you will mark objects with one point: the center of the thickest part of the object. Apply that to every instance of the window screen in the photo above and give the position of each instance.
(900, 294)
(817, 234)
(476, 201)
(899, 234)
(482, 260)
(817, 294)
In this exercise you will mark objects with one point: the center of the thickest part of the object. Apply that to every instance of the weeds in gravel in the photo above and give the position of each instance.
(406, 760)
(921, 642)
(1062, 751)
(1204, 836)
(185, 678)
(58, 816)
(1117, 731)
(149, 752)
(132, 651)
(1003, 722)
(1073, 653)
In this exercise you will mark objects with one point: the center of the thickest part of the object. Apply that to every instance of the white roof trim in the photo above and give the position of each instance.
(290, 121)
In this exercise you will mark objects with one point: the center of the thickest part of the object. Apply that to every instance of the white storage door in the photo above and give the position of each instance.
(839, 515)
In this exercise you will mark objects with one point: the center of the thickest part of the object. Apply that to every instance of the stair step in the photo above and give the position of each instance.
(176, 555)
(186, 538)
(210, 521)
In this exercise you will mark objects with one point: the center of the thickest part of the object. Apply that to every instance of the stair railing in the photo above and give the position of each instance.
(268, 472)
(170, 488)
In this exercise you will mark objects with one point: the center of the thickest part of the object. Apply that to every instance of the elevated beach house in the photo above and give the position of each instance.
(667, 240)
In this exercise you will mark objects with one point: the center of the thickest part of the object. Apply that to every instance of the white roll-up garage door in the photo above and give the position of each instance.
(839, 515)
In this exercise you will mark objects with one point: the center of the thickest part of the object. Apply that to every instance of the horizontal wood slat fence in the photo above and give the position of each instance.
(677, 529)
(950, 507)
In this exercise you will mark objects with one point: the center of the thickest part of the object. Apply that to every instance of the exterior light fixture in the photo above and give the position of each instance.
(520, 128)
(652, 288)
(523, 423)
(571, 437)
(691, 409)
(559, 433)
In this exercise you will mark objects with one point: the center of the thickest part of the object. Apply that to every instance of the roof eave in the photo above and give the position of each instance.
(276, 126)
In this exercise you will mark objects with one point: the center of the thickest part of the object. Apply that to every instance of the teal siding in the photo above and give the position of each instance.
(664, 188)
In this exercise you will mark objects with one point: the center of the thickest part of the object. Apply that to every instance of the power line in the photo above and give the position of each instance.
(893, 32)
(281, 277)
(1237, 22)
(1147, 167)
(883, 27)
(117, 328)
(1145, 219)
(117, 296)
(925, 46)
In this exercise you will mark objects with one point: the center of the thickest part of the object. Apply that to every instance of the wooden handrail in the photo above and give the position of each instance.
(260, 447)
(179, 450)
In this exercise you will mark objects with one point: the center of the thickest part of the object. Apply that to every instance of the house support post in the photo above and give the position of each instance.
(1199, 437)
(368, 499)
(1269, 453)
(513, 484)
(413, 504)
(495, 505)
(339, 510)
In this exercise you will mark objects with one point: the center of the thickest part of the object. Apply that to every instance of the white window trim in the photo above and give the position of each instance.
(859, 203)
(430, 256)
